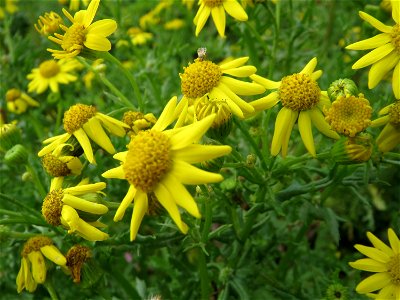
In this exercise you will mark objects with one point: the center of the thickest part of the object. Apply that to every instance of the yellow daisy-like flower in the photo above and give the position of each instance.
(138, 121)
(217, 9)
(58, 165)
(51, 73)
(49, 23)
(302, 101)
(349, 114)
(84, 122)
(18, 102)
(138, 36)
(203, 77)
(383, 260)
(76, 208)
(33, 267)
(83, 34)
(158, 162)
(386, 53)
(389, 137)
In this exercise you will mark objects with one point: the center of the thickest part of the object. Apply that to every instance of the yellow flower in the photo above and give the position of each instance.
(217, 10)
(158, 162)
(386, 53)
(352, 150)
(203, 77)
(9, 7)
(18, 102)
(33, 266)
(83, 33)
(389, 137)
(76, 208)
(302, 101)
(138, 36)
(138, 121)
(174, 24)
(49, 23)
(51, 73)
(385, 262)
(58, 165)
(349, 114)
(84, 122)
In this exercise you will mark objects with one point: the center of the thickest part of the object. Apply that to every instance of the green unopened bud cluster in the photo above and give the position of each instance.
(17, 155)
(10, 135)
(342, 87)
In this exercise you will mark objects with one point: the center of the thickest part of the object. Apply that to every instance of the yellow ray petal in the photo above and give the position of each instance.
(114, 126)
(375, 23)
(389, 142)
(201, 18)
(322, 125)
(140, 207)
(218, 15)
(316, 75)
(396, 11)
(103, 27)
(310, 66)
(20, 280)
(52, 253)
(371, 43)
(234, 9)
(90, 232)
(287, 132)
(188, 174)
(85, 144)
(381, 68)
(266, 102)
(380, 121)
(242, 87)
(84, 205)
(243, 71)
(85, 188)
(117, 173)
(90, 13)
(121, 156)
(96, 133)
(394, 241)
(282, 121)
(396, 81)
(373, 56)
(119, 214)
(167, 115)
(30, 283)
(166, 200)
(98, 43)
(268, 84)
(198, 153)
(238, 62)
(373, 283)
(181, 196)
(56, 183)
(196, 17)
(38, 266)
(244, 106)
(373, 253)
(369, 265)
(54, 143)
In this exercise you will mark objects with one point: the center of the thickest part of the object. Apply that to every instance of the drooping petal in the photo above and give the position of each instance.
(218, 15)
(371, 43)
(373, 283)
(246, 107)
(117, 173)
(197, 153)
(188, 174)
(103, 27)
(375, 23)
(38, 266)
(381, 68)
(396, 81)
(125, 203)
(238, 62)
(20, 280)
(242, 87)
(243, 71)
(140, 207)
(235, 109)
(369, 265)
(85, 205)
(114, 126)
(202, 17)
(85, 144)
(373, 56)
(234, 9)
(52, 253)
(96, 133)
(281, 123)
(287, 132)
(322, 125)
(85, 188)
(310, 66)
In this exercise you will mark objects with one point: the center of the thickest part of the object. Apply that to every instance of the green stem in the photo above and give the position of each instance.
(49, 286)
(204, 278)
(108, 56)
(38, 183)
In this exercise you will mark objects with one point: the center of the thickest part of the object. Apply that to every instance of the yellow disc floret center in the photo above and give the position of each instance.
(77, 115)
(299, 92)
(394, 269)
(396, 37)
(213, 3)
(148, 159)
(349, 115)
(200, 78)
(74, 37)
(54, 166)
(52, 206)
(49, 68)
(35, 243)
(394, 114)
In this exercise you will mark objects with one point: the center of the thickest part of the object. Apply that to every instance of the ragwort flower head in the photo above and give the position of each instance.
(76, 257)
(58, 165)
(84, 122)
(49, 23)
(389, 137)
(203, 77)
(158, 162)
(76, 208)
(385, 262)
(302, 101)
(51, 73)
(18, 102)
(386, 53)
(217, 9)
(33, 267)
(83, 33)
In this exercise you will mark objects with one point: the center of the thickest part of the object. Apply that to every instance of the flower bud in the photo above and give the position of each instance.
(342, 87)
(17, 155)
(352, 150)
(10, 135)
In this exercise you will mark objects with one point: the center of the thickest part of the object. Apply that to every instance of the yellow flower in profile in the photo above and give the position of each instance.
(33, 266)
(57, 164)
(84, 122)
(203, 77)
(217, 9)
(76, 208)
(389, 137)
(349, 114)
(138, 36)
(49, 23)
(158, 162)
(385, 262)
(83, 33)
(18, 102)
(386, 53)
(51, 73)
(302, 101)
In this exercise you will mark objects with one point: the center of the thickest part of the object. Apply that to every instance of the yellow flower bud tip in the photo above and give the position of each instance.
(76, 257)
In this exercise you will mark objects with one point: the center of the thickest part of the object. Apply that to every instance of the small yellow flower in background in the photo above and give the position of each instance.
(84, 122)
(158, 162)
(58, 165)
(49, 23)
(349, 114)
(138, 36)
(83, 33)
(90, 75)
(76, 208)
(33, 266)
(386, 5)
(203, 77)
(302, 101)
(385, 262)
(386, 53)
(151, 18)
(18, 102)
(75, 4)
(51, 73)
(217, 9)
(76, 257)
(138, 121)
(174, 24)
(389, 137)
(189, 3)
(10, 6)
